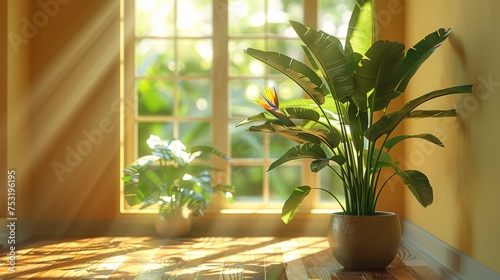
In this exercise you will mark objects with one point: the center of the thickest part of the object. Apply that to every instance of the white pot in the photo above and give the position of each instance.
(176, 226)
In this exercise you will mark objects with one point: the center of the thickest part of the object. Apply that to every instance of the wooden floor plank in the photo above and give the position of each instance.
(88, 256)
(53, 256)
(234, 259)
(137, 263)
(137, 258)
(254, 258)
(295, 268)
(191, 260)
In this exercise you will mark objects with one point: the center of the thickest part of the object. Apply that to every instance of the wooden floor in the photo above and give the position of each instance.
(196, 258)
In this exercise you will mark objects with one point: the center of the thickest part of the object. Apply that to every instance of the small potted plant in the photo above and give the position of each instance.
(344, 125)
(170, 179)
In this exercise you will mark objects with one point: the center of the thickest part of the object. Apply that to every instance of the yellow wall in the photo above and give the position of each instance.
(390, 26)
(3, 97)
(465, 212)
(17, 103)
(63, 127)
(63, 79)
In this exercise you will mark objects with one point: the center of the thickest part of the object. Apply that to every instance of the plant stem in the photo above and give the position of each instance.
(334, 196)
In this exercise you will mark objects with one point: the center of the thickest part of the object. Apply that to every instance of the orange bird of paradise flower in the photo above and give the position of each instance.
(270, 102)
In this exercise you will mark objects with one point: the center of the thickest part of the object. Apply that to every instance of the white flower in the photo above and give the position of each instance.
(153, 141)
(175, 146)
(179, 150)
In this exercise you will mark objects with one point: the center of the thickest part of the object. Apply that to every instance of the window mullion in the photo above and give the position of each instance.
(310, 178)
(220, 78)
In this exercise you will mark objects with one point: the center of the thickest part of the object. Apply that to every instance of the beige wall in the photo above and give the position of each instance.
(464, 175)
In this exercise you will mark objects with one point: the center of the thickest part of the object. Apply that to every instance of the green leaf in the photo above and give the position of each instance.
(300, 73)
(310, 58)
(260, 117)
(302, 113)
(148, 179)
(425, 136)
(165, 153)
(358, 122)
(329, 55)
(209, 149)
(432, 113)
(295, 109)
(418, 184)
(387, 123)
(139, 165)
(378, 159)
(299, 134)
(361, 33)
(318, 164)
(377, 76)
(133, 195)
(225, 191)
(150, 200)
(293, 203)
(419, 53)
(306, 150)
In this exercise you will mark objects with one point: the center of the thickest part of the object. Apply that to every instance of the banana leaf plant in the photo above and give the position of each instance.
(167, 178)
(343, 123)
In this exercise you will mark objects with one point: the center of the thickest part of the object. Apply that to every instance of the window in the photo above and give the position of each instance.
(193, 82)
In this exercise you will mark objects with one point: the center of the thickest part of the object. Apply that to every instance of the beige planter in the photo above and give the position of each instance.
(176, 226)
(364, 242)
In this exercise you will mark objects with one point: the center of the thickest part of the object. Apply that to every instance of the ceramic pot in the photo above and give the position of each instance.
(364, 242)
(178, 225)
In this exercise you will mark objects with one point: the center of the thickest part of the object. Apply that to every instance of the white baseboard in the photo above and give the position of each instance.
(443, 257)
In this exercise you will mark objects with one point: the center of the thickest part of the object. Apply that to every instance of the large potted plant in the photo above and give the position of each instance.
(170, 179)
(343, 125)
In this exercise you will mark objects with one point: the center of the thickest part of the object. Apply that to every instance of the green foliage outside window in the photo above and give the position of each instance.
(175, 94)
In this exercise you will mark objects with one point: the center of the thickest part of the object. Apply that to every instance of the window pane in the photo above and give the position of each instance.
(283, 180)
(154, 57)
(243, 64)
(155, 97)
(195, 133)
(195, 57)
(195, 98)
(241, 95)
(248, 182)
(279, 145)
(334, 16)
(164, 130)
(246, 17)
(194, 17)
(330, 181)
(154, 18)
(286, 89)
(290, 47)
(279, 14)
(245, 144)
